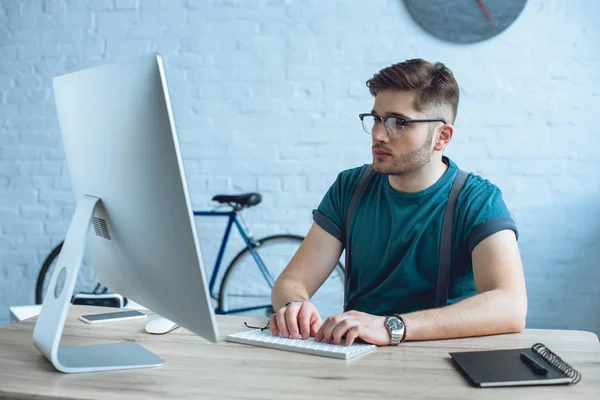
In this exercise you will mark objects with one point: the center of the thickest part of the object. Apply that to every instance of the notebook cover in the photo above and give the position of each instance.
(492, 368)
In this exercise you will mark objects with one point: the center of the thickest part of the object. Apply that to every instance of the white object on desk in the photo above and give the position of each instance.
(160, 326)
(21, 313)
(265, 338)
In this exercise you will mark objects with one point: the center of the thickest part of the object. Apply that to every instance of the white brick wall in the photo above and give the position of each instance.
(266, 96)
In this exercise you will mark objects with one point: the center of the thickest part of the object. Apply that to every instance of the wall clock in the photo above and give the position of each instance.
(465, 21)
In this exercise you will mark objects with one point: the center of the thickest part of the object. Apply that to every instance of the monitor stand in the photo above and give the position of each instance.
(50, 323)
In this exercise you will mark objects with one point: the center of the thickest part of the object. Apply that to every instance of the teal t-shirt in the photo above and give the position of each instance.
(395, 238)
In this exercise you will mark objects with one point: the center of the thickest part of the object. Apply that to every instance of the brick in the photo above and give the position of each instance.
(205, 152)
(38, 96)
(6, 82)
(128, 48)
(31, 122)
(97, 5)
(28, 81)
(15, 96)
(150, 4)
(165, 17)
(22, 227)
(252, 152)
(219, 184)
(295, 183)
(298, 153)
(269, 184)
(244, 182)
(4, 182)
(145, 32)
(62, 182)
(247, 30)
(127, 4)
(542, 167)
(319, 183)
(40, 168)
(8, 53)
(57, 197)
(34, 52)
(21, 37)
(114, 23)
(35, 212)
(7, 139)
(19, 154)
(56, 228)
(62, 36)
(42, 182)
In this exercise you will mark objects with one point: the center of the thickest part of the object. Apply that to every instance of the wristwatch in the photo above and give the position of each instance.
(396, 328)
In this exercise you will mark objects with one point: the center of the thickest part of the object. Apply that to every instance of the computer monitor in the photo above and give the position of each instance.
(128, 178)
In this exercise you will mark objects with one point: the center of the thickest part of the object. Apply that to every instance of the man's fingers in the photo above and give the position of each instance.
(316, 325)
(281, 325)
(273, 325)
(341, 329)
(329, 325)
(352, 335)
(291, 317)
(304, 317)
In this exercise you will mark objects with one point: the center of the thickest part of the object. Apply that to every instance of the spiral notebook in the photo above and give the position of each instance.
(537, 365)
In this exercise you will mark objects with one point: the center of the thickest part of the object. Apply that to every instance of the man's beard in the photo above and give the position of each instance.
(409, 163)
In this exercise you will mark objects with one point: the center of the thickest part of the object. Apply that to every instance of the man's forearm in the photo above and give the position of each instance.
(286, 290)
(488, 313)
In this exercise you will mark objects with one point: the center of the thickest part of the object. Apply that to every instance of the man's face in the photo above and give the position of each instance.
(413, 149)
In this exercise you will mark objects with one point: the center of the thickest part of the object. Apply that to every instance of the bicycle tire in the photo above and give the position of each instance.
(39, 284)
(45, 275)
(339, 269)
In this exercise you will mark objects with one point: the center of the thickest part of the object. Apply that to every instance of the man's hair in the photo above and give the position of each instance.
(434, 85)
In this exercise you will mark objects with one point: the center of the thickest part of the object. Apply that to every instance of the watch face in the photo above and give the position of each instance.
(394, 324)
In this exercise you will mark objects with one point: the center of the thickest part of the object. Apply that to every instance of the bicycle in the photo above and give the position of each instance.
(242, 289)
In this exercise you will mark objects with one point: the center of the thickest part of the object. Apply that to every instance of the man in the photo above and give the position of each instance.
(396, 229)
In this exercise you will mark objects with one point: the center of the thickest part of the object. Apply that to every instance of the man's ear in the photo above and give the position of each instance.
(443, 137)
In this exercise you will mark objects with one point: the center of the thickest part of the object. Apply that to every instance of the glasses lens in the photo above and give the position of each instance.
(394, 127)
(368, 123)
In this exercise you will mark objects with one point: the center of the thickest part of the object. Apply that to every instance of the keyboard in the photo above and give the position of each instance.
(265, 338)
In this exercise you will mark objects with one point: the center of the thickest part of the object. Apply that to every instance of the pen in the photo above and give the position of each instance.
(534, 365)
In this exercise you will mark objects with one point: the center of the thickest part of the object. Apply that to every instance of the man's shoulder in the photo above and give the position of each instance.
(476, 185)
(481, 195)
(348, 178)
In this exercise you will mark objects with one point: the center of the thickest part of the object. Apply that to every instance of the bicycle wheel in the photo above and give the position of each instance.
(86, 279)
(245, 290)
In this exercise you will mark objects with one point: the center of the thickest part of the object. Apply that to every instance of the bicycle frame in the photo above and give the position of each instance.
(250, 243)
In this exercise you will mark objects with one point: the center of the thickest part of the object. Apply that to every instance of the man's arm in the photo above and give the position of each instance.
(499, 307)
(309, 268)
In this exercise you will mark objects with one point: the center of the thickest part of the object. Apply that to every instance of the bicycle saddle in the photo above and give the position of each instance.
(242, 200)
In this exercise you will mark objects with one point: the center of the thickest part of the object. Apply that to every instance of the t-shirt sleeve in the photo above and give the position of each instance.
(331, 212)
(486, 213)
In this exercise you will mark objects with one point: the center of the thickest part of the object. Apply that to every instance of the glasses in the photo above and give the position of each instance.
(393, 125)
(258, 327)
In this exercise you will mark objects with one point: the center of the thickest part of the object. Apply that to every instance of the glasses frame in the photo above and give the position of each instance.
(403, 122)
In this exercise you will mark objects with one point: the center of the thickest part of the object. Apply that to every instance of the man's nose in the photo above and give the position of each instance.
(380, 133)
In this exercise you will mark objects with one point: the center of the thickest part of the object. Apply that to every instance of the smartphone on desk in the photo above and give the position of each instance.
(112, 316)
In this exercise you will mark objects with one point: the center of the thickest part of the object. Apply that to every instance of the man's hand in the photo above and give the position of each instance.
(297, 319)
(353, 325)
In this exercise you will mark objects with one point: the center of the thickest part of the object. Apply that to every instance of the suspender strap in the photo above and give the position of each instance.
(445, 256)
(360, 188)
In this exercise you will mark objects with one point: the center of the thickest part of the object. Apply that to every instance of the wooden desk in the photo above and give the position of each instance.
(198, 369)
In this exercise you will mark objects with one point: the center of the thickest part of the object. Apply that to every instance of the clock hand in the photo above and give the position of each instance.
(487, 14)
